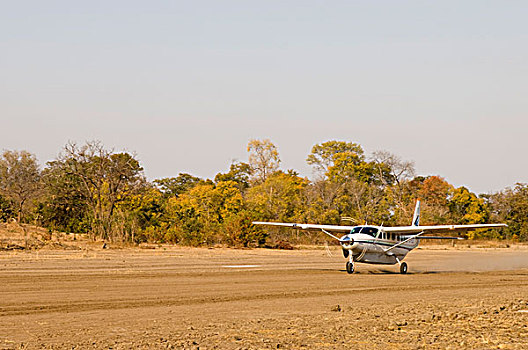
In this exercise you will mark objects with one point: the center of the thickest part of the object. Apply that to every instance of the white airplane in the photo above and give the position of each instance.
(382, 245)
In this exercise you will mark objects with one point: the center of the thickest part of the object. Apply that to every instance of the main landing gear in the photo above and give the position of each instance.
(350, 268)
(403, 266)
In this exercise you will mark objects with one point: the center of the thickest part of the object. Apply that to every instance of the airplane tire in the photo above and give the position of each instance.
(403, 268)
(349, 267)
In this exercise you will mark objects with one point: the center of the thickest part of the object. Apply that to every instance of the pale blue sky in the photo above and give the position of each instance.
(186, 84)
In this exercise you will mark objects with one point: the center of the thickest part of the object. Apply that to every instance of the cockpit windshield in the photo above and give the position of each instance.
(365, 229)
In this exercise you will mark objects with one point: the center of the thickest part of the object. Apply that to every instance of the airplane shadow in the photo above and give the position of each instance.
(391, 272)
(375, 272)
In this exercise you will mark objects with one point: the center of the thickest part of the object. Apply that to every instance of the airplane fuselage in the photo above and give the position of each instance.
(369, 244)
(378, 244)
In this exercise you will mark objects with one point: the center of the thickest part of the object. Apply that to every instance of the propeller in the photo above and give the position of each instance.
(346, 241)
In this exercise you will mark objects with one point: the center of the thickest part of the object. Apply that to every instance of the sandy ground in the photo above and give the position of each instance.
(262, 299)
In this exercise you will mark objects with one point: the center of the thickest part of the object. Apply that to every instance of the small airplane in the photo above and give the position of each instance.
(382, 245)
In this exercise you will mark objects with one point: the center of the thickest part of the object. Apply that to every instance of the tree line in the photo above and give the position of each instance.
(104, 193)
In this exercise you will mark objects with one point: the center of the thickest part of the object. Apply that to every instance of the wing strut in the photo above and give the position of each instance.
(331, 235)
(402, 242)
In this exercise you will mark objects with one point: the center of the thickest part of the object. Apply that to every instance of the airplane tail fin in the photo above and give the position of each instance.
(416, 216)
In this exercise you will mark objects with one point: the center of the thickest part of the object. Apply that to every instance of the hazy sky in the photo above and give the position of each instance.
(186, 84)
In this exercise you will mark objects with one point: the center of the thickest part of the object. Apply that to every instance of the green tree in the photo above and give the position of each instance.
(102, 178)
(175, 186)
(467, 208)
(341, 161)
(211, 213)
(239, 230)
(364, 202)
(279, 197)
(323, 156)
(7, 210)
(239, 173)
(511, 206)
(64, 206)
(19, 178)
(141, 216)
(321, 202)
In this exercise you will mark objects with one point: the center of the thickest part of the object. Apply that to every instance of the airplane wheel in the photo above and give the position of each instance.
(349, 267)
(403, 268)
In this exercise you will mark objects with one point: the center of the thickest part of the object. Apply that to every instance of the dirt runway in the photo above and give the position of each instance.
(262, 299)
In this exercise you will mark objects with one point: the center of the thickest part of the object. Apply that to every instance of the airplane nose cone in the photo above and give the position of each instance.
(346, 241)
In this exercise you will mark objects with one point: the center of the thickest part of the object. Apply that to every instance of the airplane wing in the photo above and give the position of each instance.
(332, 228)
(402, 230)
(398, 230)
(417, 231)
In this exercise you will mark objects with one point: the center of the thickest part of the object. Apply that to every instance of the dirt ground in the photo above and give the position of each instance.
(262, 299)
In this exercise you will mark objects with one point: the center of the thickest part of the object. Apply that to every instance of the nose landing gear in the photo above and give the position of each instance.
(350, 267)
